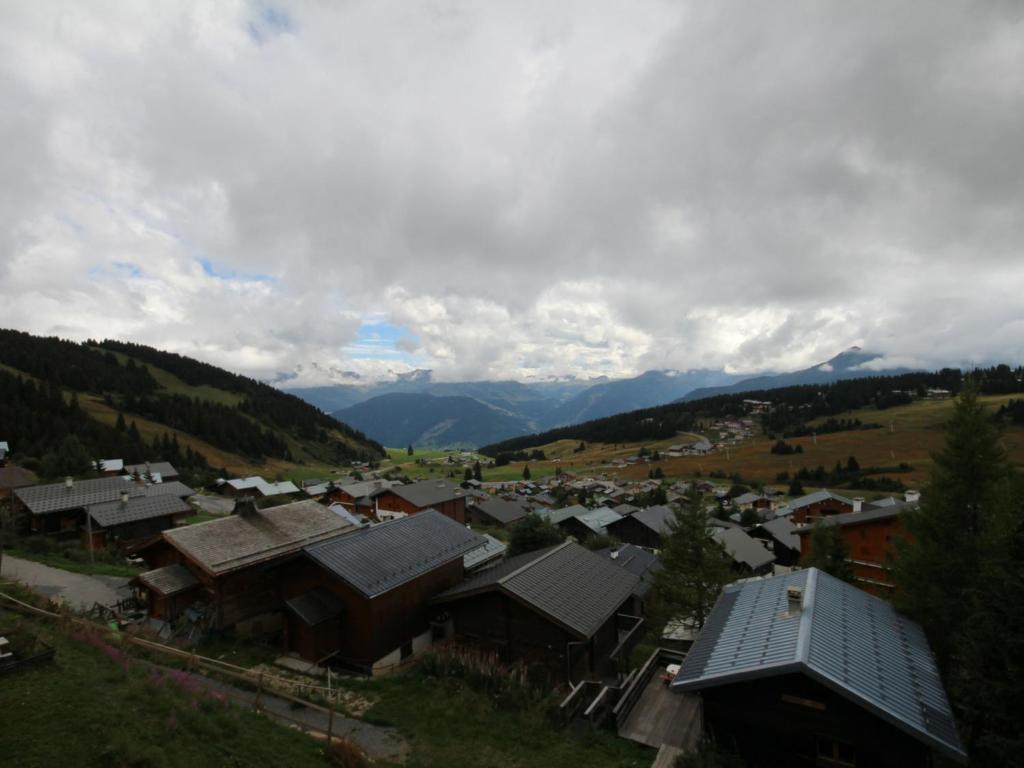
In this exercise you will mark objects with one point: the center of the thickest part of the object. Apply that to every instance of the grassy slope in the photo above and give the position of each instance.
(917, 431)
(84, 709)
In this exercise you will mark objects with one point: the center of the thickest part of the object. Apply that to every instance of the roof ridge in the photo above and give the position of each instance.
(803, 640)
(533, 562)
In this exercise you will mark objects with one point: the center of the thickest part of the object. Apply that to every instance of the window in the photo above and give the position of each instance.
(835, 754)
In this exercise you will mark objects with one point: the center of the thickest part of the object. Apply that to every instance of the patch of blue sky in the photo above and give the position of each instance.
(269, 22)
(220, 273)
(379, 341)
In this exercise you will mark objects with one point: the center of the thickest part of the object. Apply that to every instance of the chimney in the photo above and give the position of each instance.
(69, 482)
(912, 497)
(858, 503)
(795, 598)
(124, 498)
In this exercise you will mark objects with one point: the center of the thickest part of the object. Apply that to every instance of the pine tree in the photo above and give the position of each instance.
(478, 474)
(531, 533)
(409, 450)
(695, 566)
(526, 472)
(829, 551)
(940, 566)
(796, 488)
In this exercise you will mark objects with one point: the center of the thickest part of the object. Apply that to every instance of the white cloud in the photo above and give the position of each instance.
(528, 190)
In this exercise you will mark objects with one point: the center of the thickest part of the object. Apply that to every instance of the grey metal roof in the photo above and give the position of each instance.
(381, 557)
(169, 580)
(426, 493)
(857, 518)
(162, 468)
(742, 548)
(656, 518)
(816, 497)
(173, 488)
(491, 549)
(316, 606)
(236, 541)
(558, 515)
(638, 561)
(748, 498)
(574, 587)
(503, 511)
(111, 513)
(56, 497)
(783, 531)
(599, 519)
(851, 642)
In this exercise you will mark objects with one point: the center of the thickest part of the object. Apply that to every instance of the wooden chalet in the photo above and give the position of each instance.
(869, 536)
(781, 535)
(496, 512)
(362, 598)
(590, 522)
(235, 563)
(644, 527)
(815, 506)
(409, 499)
(749, 556)
(789, 675)
(560, 608)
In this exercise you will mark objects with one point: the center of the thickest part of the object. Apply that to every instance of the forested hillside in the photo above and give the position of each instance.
(54, 393)
(791, 407)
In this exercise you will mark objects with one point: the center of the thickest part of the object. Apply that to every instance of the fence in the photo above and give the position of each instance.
(262, 681)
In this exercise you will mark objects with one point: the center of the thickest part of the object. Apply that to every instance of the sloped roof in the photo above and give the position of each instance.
(638, 561)
(656, 518)
(558, 515)
(815, 498)
(233, 542)
(574, 587)
(857, 518)
(598, 519)
(56, 497)
(491, 549)
(111, 465)
(111, 513)
(742, 548)
(426, 493)
(169, 580)
(503, 511)
(783, 531)
(173, 488)
(162, 468)
(748, 498)
(12, 477)
(849, 641)
(380, 557)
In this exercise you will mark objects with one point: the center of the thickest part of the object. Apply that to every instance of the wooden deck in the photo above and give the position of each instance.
(662, 717)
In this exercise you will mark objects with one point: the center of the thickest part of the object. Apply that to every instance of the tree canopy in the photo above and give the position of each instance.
(533, 532)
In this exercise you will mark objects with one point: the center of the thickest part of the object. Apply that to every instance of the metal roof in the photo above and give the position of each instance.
(169, 580)
(574, 587)
(316, 606)
(503, 511)
(426, 493)
(162, 468)
(783, 531)
(236, 541)
(112, 513)
(815, 498)
(173, 488)
(558, 515)
(111, 465)
(849, 641)
(491, 549)
(380, 557)
(857, 518)
(657, 518)
(742, 548)
(599, 519)
(57, 497)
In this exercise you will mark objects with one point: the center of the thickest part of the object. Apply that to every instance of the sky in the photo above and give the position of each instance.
(316, 192)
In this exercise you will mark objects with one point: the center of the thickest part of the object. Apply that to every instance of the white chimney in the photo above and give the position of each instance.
(69, 481)
(858, 503)
(795, 598)
(124, 497)
(912, 497)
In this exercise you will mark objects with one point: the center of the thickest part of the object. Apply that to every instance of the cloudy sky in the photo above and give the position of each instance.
(515, 189)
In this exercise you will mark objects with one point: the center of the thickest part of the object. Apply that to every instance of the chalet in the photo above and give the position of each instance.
(119, 508)
(592, 522)
(440, 495)
(256, 486)
(788, 674)
(496, 512)
(110, 467)
(752, 501)
(749, 556)
(781, 535)
(12, 477)
(645, 527)
(639, 561)
(869, 536)
(361, 598)
(155, 471)
(359, 498)
(555, 516)
(813, 506)
(561, 608)
(234, 562)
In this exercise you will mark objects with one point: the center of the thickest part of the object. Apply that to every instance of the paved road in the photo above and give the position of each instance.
(75, 589)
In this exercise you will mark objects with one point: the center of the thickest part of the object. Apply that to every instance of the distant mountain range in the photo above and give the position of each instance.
(449, 414)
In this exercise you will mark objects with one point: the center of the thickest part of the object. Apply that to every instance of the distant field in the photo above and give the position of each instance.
(909, 435)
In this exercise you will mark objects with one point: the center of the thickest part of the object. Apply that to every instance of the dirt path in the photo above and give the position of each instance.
(76, 589)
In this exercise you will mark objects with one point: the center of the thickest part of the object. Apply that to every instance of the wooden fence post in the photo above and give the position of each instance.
(330, 726)
(259, 692)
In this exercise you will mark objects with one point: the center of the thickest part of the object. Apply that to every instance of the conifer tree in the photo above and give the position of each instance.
(829, 551)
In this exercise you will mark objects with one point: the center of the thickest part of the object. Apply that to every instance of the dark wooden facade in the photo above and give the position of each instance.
(811, 512)
(792, 720)
(369, 628)
(454, 508)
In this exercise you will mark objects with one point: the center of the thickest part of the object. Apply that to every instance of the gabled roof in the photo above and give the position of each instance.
(849, 641)
(598, 519)
(558, 515)
(237, 541)
(57, 497)
(169, 580)
(491, 549)
(656, 518)
(638, 561)
(748, 498)
(857, 518)
(783, 531)
(815, 498)
(13, 477)
(162, 468)
(111, 513)
(111, 465)
(742, 548)
(427, 493)
(503, 511)
(378, 558)
(575, 588)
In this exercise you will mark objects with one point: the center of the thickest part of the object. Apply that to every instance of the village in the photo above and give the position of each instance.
(365, 574)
